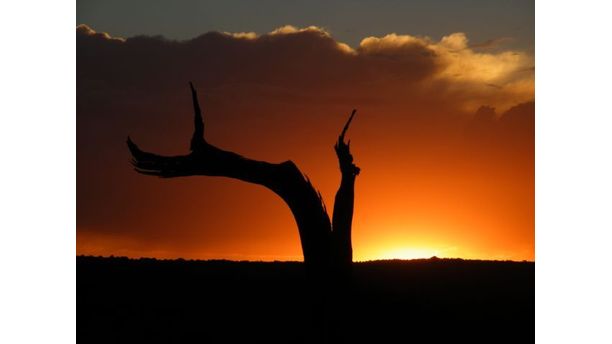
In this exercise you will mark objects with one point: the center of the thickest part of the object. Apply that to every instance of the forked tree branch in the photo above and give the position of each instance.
(285, 179)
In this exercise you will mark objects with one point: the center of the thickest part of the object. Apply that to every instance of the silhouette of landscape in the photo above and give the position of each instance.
(121, 300)
(424, 162)
(325, 299)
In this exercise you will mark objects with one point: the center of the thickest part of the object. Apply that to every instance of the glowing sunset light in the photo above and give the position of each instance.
(408, 253)
(444, 139)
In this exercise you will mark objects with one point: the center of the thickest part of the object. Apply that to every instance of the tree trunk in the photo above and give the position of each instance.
(324, 247)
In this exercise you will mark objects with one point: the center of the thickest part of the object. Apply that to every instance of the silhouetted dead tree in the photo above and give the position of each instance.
(325, 244)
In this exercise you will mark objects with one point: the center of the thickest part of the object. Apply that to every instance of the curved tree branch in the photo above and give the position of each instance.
(320, 245)
(285, 179)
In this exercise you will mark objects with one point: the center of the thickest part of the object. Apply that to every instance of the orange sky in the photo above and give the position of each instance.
(444, 136)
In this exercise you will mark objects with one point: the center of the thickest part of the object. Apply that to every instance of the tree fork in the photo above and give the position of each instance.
(323, 245)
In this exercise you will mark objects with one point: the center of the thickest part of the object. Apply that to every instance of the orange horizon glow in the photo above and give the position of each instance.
(393, 250)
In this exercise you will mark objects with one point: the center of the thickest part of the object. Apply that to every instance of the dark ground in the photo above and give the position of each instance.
(420, 301)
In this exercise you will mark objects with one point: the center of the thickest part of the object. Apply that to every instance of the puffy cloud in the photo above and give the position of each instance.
(457, 60)
(84, 30)
(463, 64)
(391, 44)
(504, 78)
(243, 35)
(290, 29)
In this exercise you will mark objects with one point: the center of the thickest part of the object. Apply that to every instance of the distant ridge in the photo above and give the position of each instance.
(394, 260)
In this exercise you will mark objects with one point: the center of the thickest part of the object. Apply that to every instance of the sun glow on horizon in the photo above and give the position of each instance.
(404, 253)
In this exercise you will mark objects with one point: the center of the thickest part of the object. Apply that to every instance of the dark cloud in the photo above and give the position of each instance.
(511, 132)
(305, 62)
(302, 62)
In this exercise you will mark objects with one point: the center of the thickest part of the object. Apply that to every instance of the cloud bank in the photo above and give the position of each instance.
(308, 62)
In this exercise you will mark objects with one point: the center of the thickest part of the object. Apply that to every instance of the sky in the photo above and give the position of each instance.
(444, 133)
(348, 21)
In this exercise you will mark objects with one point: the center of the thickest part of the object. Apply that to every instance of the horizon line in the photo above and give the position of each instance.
(433, 258)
